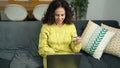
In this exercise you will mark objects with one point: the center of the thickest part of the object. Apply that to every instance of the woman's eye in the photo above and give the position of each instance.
(62, 15)
(59, 15)
(56, 14)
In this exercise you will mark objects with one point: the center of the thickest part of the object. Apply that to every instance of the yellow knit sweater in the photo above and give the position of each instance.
(57, 40)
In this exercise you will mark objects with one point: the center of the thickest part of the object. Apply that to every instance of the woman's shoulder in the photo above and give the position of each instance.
(47, 26)
(44, 26)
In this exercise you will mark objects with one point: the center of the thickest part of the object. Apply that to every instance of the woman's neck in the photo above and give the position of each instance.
(59, 24)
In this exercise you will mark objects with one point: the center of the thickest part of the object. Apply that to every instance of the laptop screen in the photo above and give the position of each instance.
(63, 60)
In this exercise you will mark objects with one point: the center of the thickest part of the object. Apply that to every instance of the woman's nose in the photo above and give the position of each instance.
(59, 17)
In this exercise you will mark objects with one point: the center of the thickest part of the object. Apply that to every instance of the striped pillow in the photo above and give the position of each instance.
(114, 46)
(95, 39)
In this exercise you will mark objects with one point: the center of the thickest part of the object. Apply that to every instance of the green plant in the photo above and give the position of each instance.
(79, 7)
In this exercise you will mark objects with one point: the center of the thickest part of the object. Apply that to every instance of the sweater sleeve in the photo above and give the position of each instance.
(75, 47)
(43, 47)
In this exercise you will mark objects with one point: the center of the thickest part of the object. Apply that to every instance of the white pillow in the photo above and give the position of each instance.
(15, 12)
(113, 47)
(39, 11)
(95, 39)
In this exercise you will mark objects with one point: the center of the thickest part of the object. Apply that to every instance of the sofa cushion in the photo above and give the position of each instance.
(24, 59)
(7, 53)
(114, 46)
(87, 61)
(110, 60)
(95, 39)
(19, 35)
(4, 63)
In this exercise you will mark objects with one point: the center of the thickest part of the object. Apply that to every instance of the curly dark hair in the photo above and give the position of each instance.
(49, 16)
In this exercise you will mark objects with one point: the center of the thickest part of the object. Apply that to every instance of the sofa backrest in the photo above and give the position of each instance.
(25, 34)
(20, 35)
(81, 24)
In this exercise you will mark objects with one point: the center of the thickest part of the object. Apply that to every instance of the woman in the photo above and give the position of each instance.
(58, 31)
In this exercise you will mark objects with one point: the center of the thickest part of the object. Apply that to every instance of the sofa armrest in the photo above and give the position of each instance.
(119, 27)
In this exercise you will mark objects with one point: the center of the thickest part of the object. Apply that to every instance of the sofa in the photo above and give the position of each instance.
(19, 40)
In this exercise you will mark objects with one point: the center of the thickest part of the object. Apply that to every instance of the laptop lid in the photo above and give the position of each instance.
(63, 60)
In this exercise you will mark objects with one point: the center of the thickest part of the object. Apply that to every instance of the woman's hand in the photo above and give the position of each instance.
(77, 40)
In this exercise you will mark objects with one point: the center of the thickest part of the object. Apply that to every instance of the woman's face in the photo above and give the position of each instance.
(59, 15)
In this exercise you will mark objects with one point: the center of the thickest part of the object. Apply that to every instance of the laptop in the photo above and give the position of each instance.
(64, 60)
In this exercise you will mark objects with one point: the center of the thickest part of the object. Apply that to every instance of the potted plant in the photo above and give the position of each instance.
(79, 7)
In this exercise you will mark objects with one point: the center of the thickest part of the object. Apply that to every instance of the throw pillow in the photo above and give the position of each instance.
(95, 39)
(114, 46)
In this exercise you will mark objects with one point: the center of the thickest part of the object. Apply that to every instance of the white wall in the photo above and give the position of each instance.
(112, 10)
(104, 10)
(95, 9)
